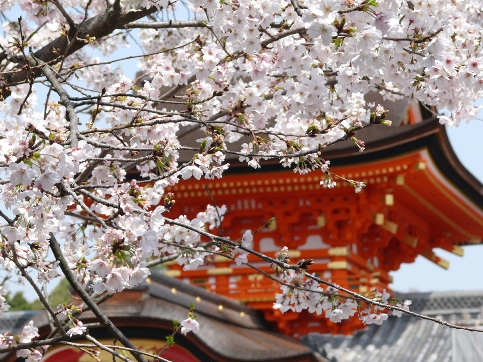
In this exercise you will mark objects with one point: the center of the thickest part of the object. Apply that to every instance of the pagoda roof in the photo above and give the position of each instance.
(385, 142)
(444, 187)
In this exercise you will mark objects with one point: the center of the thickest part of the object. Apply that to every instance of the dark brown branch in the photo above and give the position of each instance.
(297, 7)
(67, 17)
(162, 260)
(355, 8)
(96, 27)
(80, 216)
(164, 25)
(34, 344)
(282, 35)
(87, 171)
(56, 250)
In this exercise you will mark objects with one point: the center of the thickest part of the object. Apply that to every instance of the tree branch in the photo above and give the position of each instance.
(164, 25)
(56, 250)
(65, 101)
(96, 27)
(39, 293)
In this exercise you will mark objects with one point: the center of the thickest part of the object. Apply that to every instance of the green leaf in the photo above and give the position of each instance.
(170, 340)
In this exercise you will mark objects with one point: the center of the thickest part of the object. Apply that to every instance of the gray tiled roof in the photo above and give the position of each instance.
(445, 302)
(407, 338)
(13, 321)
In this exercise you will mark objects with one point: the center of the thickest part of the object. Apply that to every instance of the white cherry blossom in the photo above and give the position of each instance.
(189, 325)
(248, 80)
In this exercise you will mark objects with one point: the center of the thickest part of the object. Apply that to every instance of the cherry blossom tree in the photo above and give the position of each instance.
(288, 76)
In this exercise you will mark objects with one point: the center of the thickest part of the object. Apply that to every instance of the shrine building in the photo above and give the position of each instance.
(418, 198)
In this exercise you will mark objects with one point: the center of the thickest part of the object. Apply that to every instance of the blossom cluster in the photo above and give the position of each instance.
(29, 332)
(4, 307)
(245, 81)
(300, 292)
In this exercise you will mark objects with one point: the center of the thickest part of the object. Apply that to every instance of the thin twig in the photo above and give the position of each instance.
(71, 116)
(107, 349)
(283, 265)
(87, 171)
(416, 40)
(39, 293)
(216, 209)
(86, 345)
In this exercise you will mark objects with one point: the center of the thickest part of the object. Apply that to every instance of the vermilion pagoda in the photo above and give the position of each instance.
(418, 197)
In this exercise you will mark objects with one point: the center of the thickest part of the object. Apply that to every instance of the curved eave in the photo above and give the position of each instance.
(384, 142)
(216, 340)
(428, 134)
(450, 195)
(235, 333)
